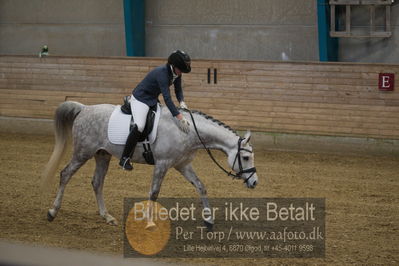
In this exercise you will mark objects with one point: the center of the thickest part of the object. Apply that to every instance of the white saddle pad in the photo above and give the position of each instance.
(119, 126)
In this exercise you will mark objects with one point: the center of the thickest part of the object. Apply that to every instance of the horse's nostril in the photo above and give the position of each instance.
(255, 183)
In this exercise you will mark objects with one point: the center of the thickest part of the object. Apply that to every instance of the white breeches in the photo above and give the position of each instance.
(139, 111)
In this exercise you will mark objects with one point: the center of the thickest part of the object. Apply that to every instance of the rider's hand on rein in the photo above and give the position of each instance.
(183, 105)
(183, 123)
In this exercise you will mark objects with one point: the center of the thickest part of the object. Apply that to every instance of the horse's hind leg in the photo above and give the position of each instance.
(65, 176)
(102, 162)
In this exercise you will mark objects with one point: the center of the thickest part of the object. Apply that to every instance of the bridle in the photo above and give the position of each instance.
(251, 170)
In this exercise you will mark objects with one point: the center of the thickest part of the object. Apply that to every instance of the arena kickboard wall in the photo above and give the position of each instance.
(332, 99)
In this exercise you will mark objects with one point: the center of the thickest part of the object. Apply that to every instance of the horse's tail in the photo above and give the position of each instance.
(63, 120)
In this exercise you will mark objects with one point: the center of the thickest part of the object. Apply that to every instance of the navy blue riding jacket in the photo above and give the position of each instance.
(156, 82)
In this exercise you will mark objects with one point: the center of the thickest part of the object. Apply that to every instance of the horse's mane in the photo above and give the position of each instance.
(208, 117)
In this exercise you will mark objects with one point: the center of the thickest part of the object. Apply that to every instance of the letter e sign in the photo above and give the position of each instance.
(386, 81)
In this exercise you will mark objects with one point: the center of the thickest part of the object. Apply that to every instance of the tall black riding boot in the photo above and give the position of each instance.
(129, 149)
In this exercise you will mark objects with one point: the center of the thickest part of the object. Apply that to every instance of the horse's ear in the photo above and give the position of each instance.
(247, 137)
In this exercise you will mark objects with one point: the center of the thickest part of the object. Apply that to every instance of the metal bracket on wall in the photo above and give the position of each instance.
(372, 5)
(215, 77)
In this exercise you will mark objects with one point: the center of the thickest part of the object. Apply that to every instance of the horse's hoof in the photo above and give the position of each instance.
(113, 222)
(151, 226)
(209, 226)
(50, 218)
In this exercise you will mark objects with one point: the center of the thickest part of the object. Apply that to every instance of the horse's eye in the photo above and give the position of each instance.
(246, 158)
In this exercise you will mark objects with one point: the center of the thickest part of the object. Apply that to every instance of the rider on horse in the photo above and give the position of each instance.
(145, 95)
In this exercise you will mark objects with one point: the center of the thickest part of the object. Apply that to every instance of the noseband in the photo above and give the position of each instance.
(236, 159)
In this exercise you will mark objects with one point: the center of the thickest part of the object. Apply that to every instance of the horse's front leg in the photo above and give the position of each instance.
(188, 172)
(160, 170)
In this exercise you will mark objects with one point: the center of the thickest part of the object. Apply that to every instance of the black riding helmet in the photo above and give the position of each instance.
(181, 60)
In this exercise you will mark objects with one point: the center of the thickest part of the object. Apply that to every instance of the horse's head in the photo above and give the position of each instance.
(241, 160)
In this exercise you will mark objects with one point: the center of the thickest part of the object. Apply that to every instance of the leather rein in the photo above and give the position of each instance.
(251, 170)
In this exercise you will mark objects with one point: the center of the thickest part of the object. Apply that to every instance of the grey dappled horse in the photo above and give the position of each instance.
(172, 148)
